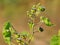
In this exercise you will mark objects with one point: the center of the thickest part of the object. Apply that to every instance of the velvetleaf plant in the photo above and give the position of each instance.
(24, 38)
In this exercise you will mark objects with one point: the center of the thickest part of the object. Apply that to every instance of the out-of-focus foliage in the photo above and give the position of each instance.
(55, 40)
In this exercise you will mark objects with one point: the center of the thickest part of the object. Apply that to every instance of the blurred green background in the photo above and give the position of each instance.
(15, 12)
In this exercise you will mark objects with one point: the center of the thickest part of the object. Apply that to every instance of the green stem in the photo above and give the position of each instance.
(14, 28)
(33, 32)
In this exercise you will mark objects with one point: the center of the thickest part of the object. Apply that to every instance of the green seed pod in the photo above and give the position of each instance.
(41, 8)
(46, 21)
(41, 29)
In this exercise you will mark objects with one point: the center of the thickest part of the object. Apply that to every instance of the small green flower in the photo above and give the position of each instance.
(42, 8)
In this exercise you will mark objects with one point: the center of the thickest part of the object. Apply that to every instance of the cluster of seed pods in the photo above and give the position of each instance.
(33, 13)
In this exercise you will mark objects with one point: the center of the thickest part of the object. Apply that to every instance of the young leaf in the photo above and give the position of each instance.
(7, 25)
(7, 36)
(6, 32)
(46, 21)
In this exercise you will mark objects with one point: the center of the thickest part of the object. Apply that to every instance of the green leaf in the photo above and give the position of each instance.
(54, 40)
(46, 21)
(6, 32)
(7, 25)
(7, 36)
(7, 40)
